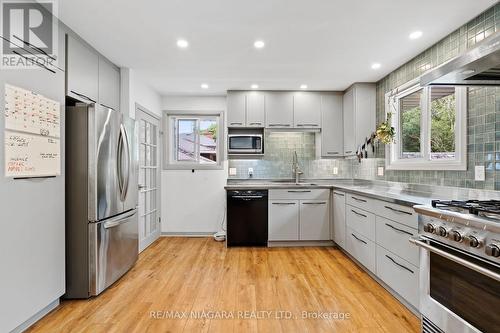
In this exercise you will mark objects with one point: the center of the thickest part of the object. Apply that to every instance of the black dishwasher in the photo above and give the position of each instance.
(247, 217)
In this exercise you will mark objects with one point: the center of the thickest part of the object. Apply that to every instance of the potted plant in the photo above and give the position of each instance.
(385, 132)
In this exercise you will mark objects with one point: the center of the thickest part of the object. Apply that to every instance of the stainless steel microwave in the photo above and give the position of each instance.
(245, 144)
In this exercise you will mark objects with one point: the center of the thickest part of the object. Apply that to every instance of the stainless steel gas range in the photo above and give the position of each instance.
(459, 266)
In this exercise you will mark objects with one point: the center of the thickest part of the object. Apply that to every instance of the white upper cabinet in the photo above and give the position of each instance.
(307, 110)
(332, 127)
(359, 104)
(279, 109)
(256, 109)
(349, 125)
(236, 109)
(82, 71)
(109, 84)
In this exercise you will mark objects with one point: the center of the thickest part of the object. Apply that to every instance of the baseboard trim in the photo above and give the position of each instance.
(187, 234)
(39, 315)
(299, 243)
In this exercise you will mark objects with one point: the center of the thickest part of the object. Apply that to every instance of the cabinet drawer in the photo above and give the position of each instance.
(401, 214)
(360, 202)
(394, 237)
(361, 221)
(299, 194)
(399, 274)
(361, 248)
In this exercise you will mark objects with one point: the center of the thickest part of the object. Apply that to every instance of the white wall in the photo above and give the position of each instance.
(134, 90)
(193, 202)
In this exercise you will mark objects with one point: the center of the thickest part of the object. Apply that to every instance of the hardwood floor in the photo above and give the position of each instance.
(199, 277)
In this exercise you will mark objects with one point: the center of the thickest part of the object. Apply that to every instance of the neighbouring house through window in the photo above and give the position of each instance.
(194, 141)
(430, 125)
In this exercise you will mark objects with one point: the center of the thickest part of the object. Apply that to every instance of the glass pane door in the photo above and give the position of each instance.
(149, 219)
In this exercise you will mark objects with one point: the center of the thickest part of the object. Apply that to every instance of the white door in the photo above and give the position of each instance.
(149, 178)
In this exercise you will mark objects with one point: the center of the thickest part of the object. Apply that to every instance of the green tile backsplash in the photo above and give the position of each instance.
(483, 126)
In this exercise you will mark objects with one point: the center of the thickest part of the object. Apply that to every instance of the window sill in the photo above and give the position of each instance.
(427, 165)
(193, 167)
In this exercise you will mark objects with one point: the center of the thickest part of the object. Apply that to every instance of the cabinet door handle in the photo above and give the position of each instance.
(398, 264)
(255, 123)
(359, 214)
(299, 191)
(332, 152)
(307, 125)
(314, 203)
(358, 199)
(283, 203)
(82, 96)
(398, 210)
(358, 239)
(236, 123)
(348, 152)
(399, 230)
(339, 194)
(283, 125)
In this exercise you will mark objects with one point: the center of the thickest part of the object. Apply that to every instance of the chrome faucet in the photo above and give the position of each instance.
(296, 167)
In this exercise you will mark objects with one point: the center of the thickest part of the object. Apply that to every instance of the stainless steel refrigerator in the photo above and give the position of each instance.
(101, 198)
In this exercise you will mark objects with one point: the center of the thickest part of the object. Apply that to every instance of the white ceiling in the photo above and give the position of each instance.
(326, 44)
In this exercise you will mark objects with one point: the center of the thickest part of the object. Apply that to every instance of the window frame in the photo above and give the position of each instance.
(169, 119)
(393, 150)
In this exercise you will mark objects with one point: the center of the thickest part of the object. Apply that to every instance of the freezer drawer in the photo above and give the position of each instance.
(113, 249)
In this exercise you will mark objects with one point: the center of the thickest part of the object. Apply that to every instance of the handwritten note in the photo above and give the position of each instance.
(32, 134)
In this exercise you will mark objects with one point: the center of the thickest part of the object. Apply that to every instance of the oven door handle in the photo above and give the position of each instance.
(421, 243)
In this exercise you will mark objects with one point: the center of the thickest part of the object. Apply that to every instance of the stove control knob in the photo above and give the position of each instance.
(474, 241)
(429, 227)
(492, 250)
(443, 232)
(456, 236)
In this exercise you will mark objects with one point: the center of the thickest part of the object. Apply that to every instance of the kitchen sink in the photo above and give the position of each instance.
(292, 183)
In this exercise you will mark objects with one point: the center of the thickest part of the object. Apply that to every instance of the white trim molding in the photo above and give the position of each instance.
(393, 151)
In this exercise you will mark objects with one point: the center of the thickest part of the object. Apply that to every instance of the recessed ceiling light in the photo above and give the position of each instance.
(415, 34)
(254, 86)
(303, 86)
(182, 43)
(376, 65)
(204, 86)
(259, 44)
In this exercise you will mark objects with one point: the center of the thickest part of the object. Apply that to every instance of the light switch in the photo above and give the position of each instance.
(380, 171)
(335, 170)
(250, 172)
(232, 171)
(479, 173)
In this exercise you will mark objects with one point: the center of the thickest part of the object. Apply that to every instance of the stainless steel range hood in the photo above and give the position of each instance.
(479, 66)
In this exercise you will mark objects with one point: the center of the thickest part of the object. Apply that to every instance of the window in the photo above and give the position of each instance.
(194, 141)
(430, 125)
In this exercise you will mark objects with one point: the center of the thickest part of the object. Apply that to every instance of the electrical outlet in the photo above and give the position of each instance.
(232, 171)
(380, 171)
(479, 173)
(335, 170)
(250, 172)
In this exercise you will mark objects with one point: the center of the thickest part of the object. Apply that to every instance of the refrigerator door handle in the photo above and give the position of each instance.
(119, 169)
(127, 145)
(116, 221)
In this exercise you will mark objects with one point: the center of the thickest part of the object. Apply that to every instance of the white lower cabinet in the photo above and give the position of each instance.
(314, 221)
(283, 220)
(399, 274)
(339, 218)
(377, 235)
(361, 248)
(299, 214)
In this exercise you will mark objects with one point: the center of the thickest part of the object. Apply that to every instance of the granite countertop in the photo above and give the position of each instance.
(400, 193)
